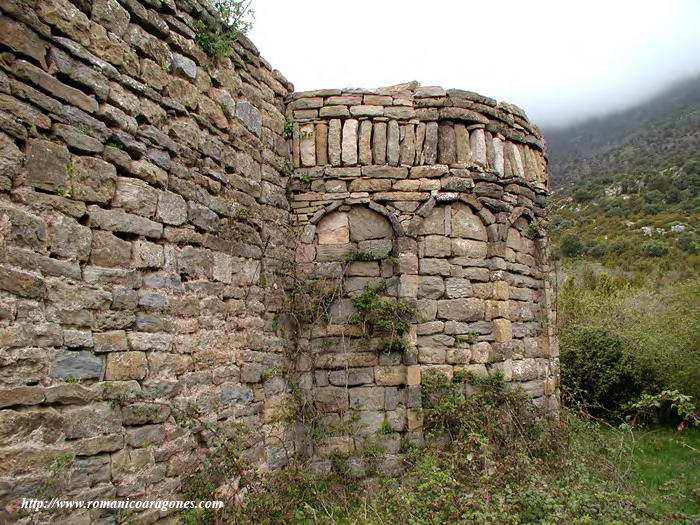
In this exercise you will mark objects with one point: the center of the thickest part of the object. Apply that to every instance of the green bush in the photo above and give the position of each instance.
(688, 242)
(571, 246)
(619, 341)
(597, 371)
(216, 37)
(653, 249)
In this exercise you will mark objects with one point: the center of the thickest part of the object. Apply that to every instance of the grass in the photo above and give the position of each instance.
(664, 470)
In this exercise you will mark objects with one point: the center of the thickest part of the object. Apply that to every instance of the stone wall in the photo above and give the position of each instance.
(141, 188)
(447, 190)
(150, 232)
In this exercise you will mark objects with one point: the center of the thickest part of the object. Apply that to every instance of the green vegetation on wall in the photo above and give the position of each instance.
(216, 36)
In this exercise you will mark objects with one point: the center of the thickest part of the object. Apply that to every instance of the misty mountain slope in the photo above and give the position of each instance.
(660, 133)
(627, 186)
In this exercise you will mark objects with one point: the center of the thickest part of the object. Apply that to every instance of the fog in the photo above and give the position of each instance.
(561, 61)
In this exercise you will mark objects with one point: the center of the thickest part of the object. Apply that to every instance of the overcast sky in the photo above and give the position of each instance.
(560, 60)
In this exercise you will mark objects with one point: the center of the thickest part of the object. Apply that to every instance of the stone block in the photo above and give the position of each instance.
(147, 255)
(379, 248)
(332, 446)
(332, 399)
(77, 140)
(470, 309)
(346, 360)
(149, 173)
(22, 283)
(351, 377)
(392, 397)
(407, 152)
(77, 365)
(392, 143)
(91, 420)
(110, 15)
(427, 309)
(435, 267)
(445, 372)
(390, 375)
(408, 285)
(437, 246)
(22, 395)
(469, 248)
(349, 142)
(430, 328)
(145, 436)
(366, 224)
(365, 143)
(334, 111)
(364, 110)
(223, 267)
(413, 375)
(501, 290)
(344, 100)
(447, 147)
(114, 341)
(502, 330)
(366, 398)
(414, 419)
(408, 263)
(232, 395)
(458, 356)
(432, 355)
(93, 180)
(77, 338)
(496, 309)
(71, 393)
(20, 38)
(307, 144)
(481, 352)
(109, 250)
(334, 229)
(250, 116)
(363, 269)
(456, 288)
(123, 366)
(51, 84)
(379, 139)
(47, 165)
(333, 252)
(120, 221)
(67, 238)
(135, 196)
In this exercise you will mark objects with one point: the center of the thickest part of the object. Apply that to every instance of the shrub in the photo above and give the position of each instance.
(381, 317)
(617, 340)
(571, 246)
(583, 195)
(597, 371)
(653, 249)
(216, 37)
(688, 242)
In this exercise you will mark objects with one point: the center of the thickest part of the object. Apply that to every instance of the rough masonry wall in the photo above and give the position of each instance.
(141, 187)
(447, 190)
(146, 242)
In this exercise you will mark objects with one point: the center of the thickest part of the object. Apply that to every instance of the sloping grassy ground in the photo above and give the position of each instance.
(664, 470)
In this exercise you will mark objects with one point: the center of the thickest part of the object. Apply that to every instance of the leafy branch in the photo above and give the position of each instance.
(217, 38)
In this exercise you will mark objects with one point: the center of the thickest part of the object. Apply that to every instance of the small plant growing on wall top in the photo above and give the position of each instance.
(217, 38)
